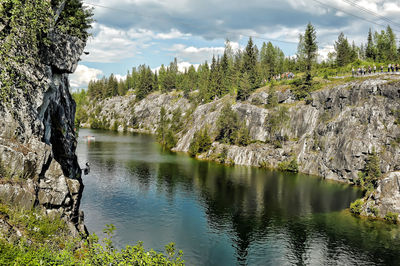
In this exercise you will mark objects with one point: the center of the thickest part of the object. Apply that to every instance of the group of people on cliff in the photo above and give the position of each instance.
(286, 75)
(363, 70)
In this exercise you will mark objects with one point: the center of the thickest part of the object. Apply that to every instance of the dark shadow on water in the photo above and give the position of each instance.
(224, 215)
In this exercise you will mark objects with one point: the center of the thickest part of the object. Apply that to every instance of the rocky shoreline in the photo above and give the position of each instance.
(330, 134)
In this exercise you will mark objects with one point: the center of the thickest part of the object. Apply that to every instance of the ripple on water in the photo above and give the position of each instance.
(224, 215)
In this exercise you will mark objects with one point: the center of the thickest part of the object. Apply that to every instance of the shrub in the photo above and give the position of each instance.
(369, 176)
(170, 139)
(222, 157)
(230, 129)
(201, 143)
(50, 244)
(243, 136)
(177, 123)
(276, 120)
(272, 100)
(391, 217)
(115, 126)
(227, 125)
(289, 166)
(356, 207)
(375, 211)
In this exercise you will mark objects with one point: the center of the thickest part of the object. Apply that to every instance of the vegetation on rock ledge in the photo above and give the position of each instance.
(46, 241)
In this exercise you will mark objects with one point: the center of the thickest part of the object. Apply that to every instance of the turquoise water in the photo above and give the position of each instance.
(221, 215)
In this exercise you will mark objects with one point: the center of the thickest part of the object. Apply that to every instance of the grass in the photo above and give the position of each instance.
(46, 241)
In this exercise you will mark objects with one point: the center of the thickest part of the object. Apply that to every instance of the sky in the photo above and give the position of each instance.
(128, 33)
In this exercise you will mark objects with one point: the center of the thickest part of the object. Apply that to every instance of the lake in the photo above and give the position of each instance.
(222, 215)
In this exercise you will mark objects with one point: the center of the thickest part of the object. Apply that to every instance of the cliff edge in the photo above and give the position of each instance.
(38, 165)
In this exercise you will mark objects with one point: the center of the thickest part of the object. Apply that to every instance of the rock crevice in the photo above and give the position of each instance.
(38, 165)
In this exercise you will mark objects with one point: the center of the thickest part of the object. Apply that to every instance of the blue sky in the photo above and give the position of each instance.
(127, 33)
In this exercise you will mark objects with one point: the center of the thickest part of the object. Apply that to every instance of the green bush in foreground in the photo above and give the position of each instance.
(356, 207)
(46, 241)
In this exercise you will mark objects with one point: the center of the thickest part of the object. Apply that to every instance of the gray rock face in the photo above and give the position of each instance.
(330, 137)
(386, 198)
(38, 165)
(64, 46)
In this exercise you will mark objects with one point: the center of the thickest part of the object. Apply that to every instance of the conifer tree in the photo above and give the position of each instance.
(310, 50)
(392, 49)
(343, 51)
(250, 63)
(370, 49)
(244, 87)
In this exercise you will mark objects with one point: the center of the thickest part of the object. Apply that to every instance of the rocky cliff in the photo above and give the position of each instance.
(330, 134)
(38, 165)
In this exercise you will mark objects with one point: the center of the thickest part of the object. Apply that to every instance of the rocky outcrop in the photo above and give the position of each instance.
(38, 165)
(330, 135)
(386, 198)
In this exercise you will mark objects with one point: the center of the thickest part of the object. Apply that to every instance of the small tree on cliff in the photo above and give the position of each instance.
(368, 178)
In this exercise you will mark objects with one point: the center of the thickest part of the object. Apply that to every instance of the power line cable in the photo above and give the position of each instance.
(354, 4)
(186, 24)
(348, 13)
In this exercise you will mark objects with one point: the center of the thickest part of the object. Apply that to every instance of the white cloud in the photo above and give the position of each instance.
(112, 45)
(324, 51)
(182, 66)
(83, 75)
(173, 34)
(199, 54)
(120, 77)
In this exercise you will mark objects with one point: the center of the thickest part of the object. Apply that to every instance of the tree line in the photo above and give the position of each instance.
(241, 72)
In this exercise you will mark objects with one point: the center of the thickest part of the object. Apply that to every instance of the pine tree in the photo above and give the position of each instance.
(343, 51)
(392, 49)
(370, 52)
(244, 87)
(146, 82)
(225, 74)
(250, 63)
(310, 50)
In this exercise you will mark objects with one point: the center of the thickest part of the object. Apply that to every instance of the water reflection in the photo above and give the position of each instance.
(224, 215)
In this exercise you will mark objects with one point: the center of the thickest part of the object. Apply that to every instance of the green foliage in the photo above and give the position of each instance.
(308, 50)
(344, 52)
(230, 130)
(272, 100)
(392, 217)
(177, 121)
(243, 136)
(369, 176)
(375, 211)
(165, 133)
(81, 100)
(356, 207)
(50, 243)
(289, 166)
(115, 126)
(75, 19)
(223, 156)
(201, 142)
(25, 26)
(250, 65)
(276, 120)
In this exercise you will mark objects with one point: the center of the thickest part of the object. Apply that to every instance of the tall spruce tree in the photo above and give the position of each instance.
(392, 49)
(310, 50)
(244, 87)
(343, 51)
(370, 52)
(250, 63)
